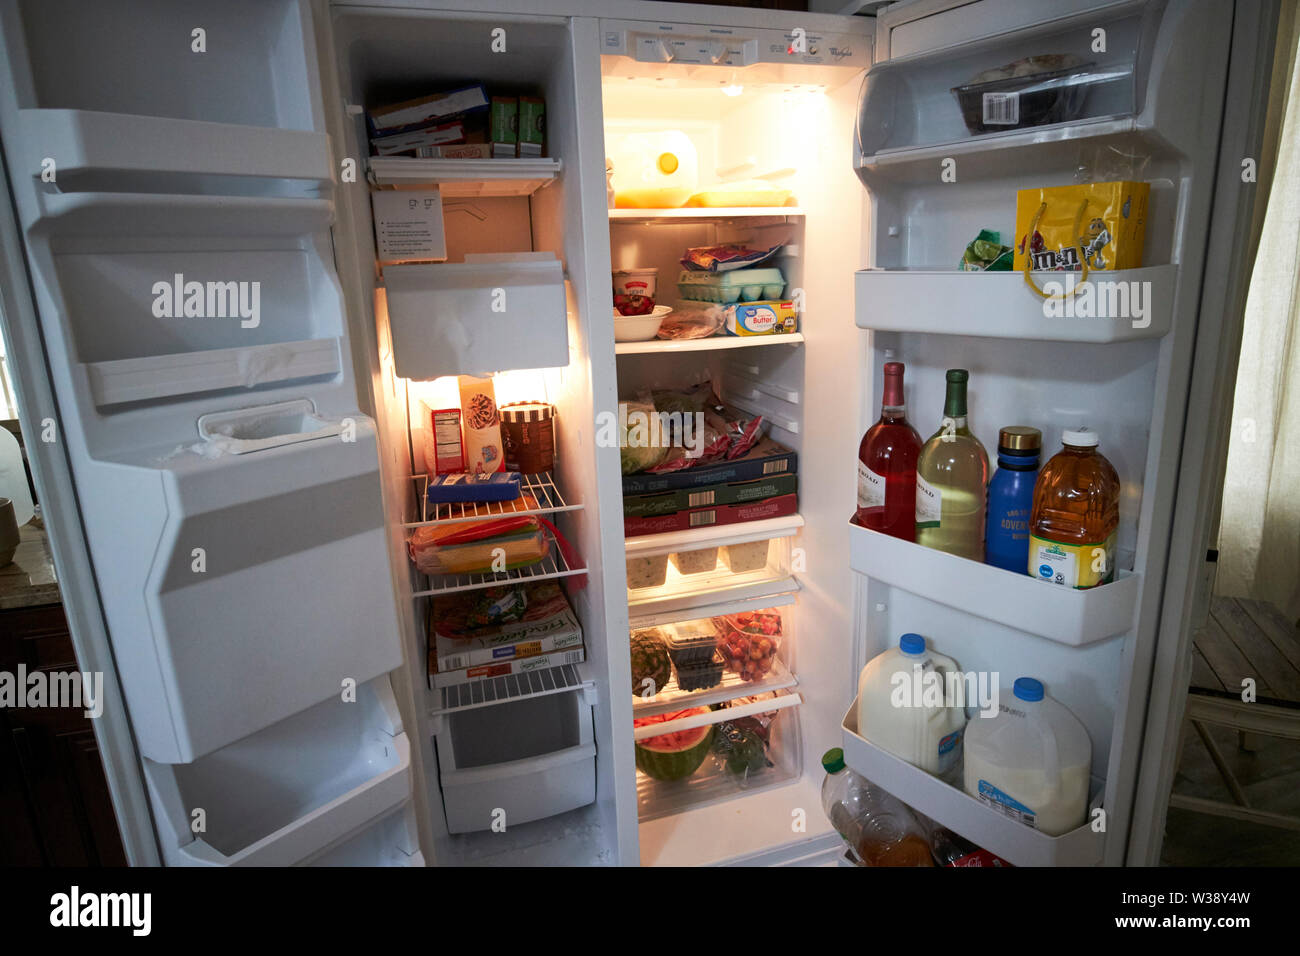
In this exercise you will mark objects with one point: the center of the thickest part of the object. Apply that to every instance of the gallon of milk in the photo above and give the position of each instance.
(1030, 761)
(904, 706)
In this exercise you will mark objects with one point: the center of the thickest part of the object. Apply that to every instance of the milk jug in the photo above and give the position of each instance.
(905, 706)
(1030, 761)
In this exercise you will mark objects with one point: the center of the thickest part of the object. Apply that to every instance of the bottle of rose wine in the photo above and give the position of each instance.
(887, 465)
(952, 476)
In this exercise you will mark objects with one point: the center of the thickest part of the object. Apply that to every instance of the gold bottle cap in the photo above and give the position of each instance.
(1020, 438)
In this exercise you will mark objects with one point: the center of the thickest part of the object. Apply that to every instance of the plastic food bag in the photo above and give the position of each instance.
(742, 748)
(640, 444)
(693, 321)
(986, 253)
(726, 257)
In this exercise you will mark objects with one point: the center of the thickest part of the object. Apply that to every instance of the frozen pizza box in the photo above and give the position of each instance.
(766, 459)
(708, 517)
(546, 624)
(723, 493)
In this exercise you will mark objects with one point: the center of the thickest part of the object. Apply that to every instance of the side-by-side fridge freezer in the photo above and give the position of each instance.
(230, 394)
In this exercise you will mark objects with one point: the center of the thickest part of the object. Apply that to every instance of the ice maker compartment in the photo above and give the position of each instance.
(245, 430)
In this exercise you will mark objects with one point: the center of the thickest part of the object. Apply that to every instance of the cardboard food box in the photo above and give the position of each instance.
(724, 493)
(1106, 220)
(761, 318)
(708, 517)
(765, 459)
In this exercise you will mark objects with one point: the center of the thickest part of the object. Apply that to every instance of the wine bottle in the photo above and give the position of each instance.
(887, 465)
(952, 474)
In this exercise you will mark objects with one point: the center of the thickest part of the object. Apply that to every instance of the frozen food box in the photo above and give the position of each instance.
(723, 493)
(766, 459)
(707, 517)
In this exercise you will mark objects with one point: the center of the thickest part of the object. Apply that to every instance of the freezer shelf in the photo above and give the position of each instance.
(1060, 614)
(1016, 843)
(541, 487)
(1000, 304)
(553, 565)
(510, 687)
(695, 214)
(466, 178)
(647, 545)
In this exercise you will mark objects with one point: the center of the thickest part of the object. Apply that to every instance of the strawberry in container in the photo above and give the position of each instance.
(749, 642)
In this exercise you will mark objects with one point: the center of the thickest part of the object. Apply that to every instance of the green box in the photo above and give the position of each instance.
(728, 493)
(532, 125)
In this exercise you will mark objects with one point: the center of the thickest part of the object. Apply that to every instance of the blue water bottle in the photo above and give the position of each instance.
(1011, 497)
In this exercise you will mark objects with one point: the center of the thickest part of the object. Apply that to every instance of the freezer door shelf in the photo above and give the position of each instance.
(350, 765)
(466, 178)
(1121, 306)
(1057, 613)
(391, 842)
(1014, 842)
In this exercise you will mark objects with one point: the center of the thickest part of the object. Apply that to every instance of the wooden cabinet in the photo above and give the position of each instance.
(55, 808)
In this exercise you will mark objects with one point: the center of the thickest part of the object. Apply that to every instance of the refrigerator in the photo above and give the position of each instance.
(225, 395)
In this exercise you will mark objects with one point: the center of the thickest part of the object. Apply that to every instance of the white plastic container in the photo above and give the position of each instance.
(1031, 761)
(896, 713)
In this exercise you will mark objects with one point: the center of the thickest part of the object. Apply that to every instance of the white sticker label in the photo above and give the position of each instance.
(871, 488)
(1001, 109)
(929, 504)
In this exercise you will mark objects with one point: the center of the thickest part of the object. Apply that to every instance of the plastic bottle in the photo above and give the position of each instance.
(1031, 761)
(1075, 515)
(898, 709)
(878, 827)
(1011, 498)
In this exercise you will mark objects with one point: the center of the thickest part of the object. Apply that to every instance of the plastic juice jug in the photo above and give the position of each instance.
(1075, 515)
(904, 706)
(1011, 498)
(879, 827)
(1030, 761)
(654, 169)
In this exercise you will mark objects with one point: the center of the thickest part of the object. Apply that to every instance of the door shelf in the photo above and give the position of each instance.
(1060, 614)
(674, 698)
(553, 565)
(466, 178)
(647, 545)
(115, 152)
(1016, 843)
(1000, 305)
(712, 343)
(502, 690)
(540, 486)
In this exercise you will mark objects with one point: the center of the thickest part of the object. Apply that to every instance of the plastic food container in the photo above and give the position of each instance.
(749, 642)
(1035, 91)
(634, 290)
(692, 642)
(640, 328)
(738, 285)
(697, 561)
(700, 675)
(750, 556)
(528, 431)
(648, 572)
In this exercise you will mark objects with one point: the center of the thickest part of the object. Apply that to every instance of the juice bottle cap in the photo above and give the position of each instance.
(1080, 437)
(1020, 438)
(833, 760)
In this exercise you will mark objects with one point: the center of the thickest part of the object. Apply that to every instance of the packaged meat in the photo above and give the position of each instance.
(750, 556)
(494, 555)
(1033, 91)
(648, 572)
(695, 562)
(726, 257)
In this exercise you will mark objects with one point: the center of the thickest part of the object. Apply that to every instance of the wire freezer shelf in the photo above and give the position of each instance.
(551, 566)
(541, 486)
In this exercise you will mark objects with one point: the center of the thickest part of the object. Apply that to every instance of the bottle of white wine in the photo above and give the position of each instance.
(952, 476)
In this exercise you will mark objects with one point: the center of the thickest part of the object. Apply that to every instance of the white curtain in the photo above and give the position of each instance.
(1259, 531)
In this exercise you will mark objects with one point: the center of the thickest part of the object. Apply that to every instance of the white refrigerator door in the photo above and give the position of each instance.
(1157, 77)
(175, 212)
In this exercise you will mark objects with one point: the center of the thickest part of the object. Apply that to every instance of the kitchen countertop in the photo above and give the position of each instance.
(29, 581)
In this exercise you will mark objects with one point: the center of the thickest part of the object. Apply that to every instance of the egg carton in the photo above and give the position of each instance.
(739, 285)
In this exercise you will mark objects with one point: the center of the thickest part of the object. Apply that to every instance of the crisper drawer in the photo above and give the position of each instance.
(516, 762)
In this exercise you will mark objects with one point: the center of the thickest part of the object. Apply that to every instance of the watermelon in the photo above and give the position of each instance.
(677, 755)
(649, 662)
